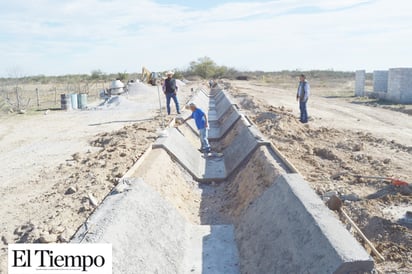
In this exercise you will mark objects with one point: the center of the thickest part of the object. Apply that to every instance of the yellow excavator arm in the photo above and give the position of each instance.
(146, 75)
(153, 78)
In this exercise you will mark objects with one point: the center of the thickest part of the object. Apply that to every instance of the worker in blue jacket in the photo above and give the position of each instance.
(202, 125)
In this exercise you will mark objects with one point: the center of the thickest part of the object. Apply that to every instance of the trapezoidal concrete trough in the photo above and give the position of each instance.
(149, 235)
(288, 229)
(200, 167)
(270, 221)
(207, 169)
(218, 128)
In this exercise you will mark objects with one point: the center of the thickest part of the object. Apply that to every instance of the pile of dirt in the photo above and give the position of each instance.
(320, 152)
(79, 185)
(139, 88)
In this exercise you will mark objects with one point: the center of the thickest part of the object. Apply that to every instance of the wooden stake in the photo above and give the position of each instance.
(381, 258)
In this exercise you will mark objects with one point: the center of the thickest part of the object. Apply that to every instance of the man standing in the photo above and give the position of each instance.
(202, 125)
(170, 90)
(302, 97)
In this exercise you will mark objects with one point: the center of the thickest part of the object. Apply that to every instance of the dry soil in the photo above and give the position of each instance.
(341, 139)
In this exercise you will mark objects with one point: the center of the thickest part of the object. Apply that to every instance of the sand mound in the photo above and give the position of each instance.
(139, 88)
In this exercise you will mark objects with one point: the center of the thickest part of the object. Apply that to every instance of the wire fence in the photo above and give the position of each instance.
(44, 96)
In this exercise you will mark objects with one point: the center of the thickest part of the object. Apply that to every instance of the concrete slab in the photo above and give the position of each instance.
(222, 106)
(207, 169)
(218, 128)
(203, 169)
(241, 147)
(201, 100)
(148, 235)
(212, 250)
(215, 91)
(399, 85)
(215, 108)
(360, 77)
(219, 96)
(204, 90)
(226, 123)
(212, 115)
(211, 92)
(288, 229)
(213, 170)
(380, 81)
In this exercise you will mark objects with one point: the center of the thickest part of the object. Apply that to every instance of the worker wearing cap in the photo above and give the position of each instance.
(202, 125)
(170, 90)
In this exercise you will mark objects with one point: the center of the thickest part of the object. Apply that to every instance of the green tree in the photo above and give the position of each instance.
(122, 76)
(96, 74)
(204, 67)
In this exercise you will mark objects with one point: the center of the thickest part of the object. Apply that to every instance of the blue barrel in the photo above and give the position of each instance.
(82, 100)
(74, 100)
(66, 102)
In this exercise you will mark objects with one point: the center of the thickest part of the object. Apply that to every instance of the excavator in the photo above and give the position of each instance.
(118, 88)
(153, 78)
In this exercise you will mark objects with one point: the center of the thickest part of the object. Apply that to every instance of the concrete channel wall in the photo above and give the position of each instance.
(275, 221)
(289, 230)
(147, 234)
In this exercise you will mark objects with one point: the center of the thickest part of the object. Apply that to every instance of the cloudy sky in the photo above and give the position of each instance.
(77, 36)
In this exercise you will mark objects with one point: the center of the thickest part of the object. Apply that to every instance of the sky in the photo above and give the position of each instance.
(53, 37)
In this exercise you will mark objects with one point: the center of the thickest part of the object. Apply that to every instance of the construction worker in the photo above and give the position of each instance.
(170, 89)
(302, 97)
(202, 125)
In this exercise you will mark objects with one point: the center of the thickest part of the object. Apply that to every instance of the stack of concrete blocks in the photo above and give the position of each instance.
(360, 78)
(400, 85)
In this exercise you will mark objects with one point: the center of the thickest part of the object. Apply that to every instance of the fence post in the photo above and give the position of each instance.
(38, 97)
(55, 96)
(17, 98)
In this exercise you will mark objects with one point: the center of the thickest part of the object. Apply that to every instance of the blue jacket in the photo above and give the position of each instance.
(199, 116)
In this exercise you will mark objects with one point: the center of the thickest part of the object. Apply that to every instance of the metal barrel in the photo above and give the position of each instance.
(66, 102)
(82, 100)
(74, 100)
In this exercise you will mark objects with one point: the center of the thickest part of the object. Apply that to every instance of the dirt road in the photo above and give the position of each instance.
(330, 110)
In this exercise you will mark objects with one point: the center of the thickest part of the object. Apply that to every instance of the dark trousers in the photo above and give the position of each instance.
(303, 111)
(173, 96)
